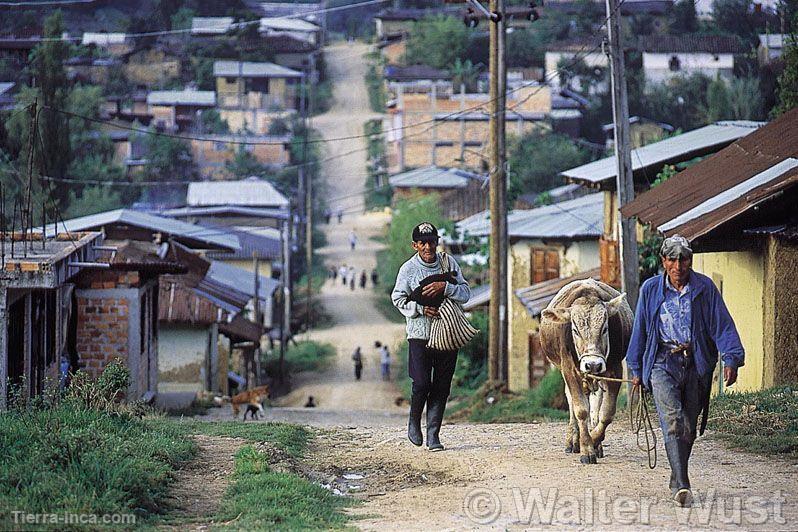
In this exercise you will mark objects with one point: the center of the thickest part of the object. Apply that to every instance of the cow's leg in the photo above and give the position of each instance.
(581, 408)
(596, 399)
(606, 415)
(572, 433)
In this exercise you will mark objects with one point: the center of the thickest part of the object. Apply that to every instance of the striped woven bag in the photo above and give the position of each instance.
(451, 330)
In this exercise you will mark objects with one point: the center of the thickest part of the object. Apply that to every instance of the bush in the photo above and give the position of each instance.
(304, 356)
(763, 422)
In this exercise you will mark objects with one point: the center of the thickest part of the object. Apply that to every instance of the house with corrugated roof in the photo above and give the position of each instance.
(738, 209)
(459, 193)
(178, 109)
(250, 192)
(250, 85)
(647, 162)
(547, 243)
(668, 56)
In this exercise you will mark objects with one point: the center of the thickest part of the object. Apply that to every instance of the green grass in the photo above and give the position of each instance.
(262, 499)
(66, 458)
(764, 422)
(543, 402)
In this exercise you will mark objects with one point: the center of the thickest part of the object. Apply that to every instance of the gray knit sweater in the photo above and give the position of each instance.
(409, 277)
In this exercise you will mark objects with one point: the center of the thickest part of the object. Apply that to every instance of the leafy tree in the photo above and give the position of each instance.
(245, 165)
(737, 18)
(211, 122)
(181, 20)
(684, 18)
(681, 101)
(465, 73)
(437, 41)
(718, 105)
(787, 91)
(92, 200)
(745, 99)
(536, 158)
(51, 78)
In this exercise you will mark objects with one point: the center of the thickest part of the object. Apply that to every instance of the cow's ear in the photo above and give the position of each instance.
(614, 304)
(558, 316)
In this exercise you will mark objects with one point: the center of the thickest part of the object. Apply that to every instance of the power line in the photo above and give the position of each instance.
(46, 3)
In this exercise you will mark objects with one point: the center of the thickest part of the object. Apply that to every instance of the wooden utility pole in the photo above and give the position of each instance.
(625, 183)
(308, 200)
(497, 329)
(285, 327)
(258, 320)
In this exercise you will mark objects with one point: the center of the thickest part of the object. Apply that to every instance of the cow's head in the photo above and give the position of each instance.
(589, 318)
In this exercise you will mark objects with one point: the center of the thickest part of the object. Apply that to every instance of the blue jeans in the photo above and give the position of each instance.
(679, 393)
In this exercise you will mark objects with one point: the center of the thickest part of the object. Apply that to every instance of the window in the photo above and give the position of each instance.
(230, 81)
(545, 265)
(219, 146)
(674, 64)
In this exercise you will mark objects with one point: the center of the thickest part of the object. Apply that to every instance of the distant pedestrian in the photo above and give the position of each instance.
(374, 277)
(385, 362)
(311, 402)
(357, 356)
(351, 277)
(327, 216)
(340, 214)
(363, 279)
(352, 239)
(342, 271)
(332, 273)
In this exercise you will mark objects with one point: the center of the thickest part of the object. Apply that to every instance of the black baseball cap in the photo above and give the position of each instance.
(425, 232)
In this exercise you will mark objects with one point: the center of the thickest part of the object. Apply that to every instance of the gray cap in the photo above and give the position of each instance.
(676, 246)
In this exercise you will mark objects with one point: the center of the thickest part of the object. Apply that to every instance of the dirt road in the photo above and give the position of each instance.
(491, 476)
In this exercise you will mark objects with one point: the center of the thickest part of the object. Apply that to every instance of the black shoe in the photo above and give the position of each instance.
(435, 408)
(414, 423)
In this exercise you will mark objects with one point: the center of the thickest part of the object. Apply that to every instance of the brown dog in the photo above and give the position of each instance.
(253, 397)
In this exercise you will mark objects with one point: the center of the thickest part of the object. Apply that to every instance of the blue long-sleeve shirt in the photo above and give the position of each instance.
(712, 329)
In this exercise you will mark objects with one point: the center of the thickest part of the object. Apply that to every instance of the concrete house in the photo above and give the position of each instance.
(460, 193)
(668, 56)
(117, 309)
(211, 152)
(248, 85)
(771, 46)
(566, 52)
(116, 44)
(177, 110)
(547, 243)
(737, 208)
(37, 308)
(647, 162)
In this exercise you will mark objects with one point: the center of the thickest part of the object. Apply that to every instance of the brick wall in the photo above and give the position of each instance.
(102, 331)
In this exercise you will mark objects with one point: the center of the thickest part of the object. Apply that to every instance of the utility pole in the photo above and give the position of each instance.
(285, 327)
(625, 183)
(308, 200)
(258, 320)
(497, 329)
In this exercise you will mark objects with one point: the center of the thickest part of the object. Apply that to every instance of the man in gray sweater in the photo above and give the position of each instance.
(431, 370)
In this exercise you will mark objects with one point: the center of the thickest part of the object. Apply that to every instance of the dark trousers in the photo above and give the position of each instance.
(358, 371)
(431, 370)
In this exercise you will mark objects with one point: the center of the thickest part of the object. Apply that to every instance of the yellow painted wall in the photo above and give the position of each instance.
(264, 268)
(739, 276)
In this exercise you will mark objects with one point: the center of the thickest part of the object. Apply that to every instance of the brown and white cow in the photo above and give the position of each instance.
(585, 330)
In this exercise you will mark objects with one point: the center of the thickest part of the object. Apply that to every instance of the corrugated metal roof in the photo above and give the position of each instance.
(674, 149)
(103, 39)
(434, 177)
(287, 24)
(711, 44)
(182, 231)
(6, 86)
(212, 25)
(480, 295)
(184, 97)
(253, 192)
(537, 297)
(721, 187)
(241, 280)
(249, 69)
(260, 242)
(580, 217)
(254, 212)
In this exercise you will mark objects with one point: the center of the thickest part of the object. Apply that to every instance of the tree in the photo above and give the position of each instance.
(168, 159)
(465, 73)
(210, 121)
(245, 165)
(181, 20)
(437, 41)
(787, 92)
(92, 200)
(536, 158)
(745, 99)
(53, 87)
(718, 106)
(684, 18)
(738, 18)
(681, 101)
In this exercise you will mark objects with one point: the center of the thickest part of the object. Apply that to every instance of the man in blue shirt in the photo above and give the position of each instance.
(681, 328)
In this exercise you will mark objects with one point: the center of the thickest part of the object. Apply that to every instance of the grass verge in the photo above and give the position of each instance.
(68, 459)
(262, 499)
(764, 422)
